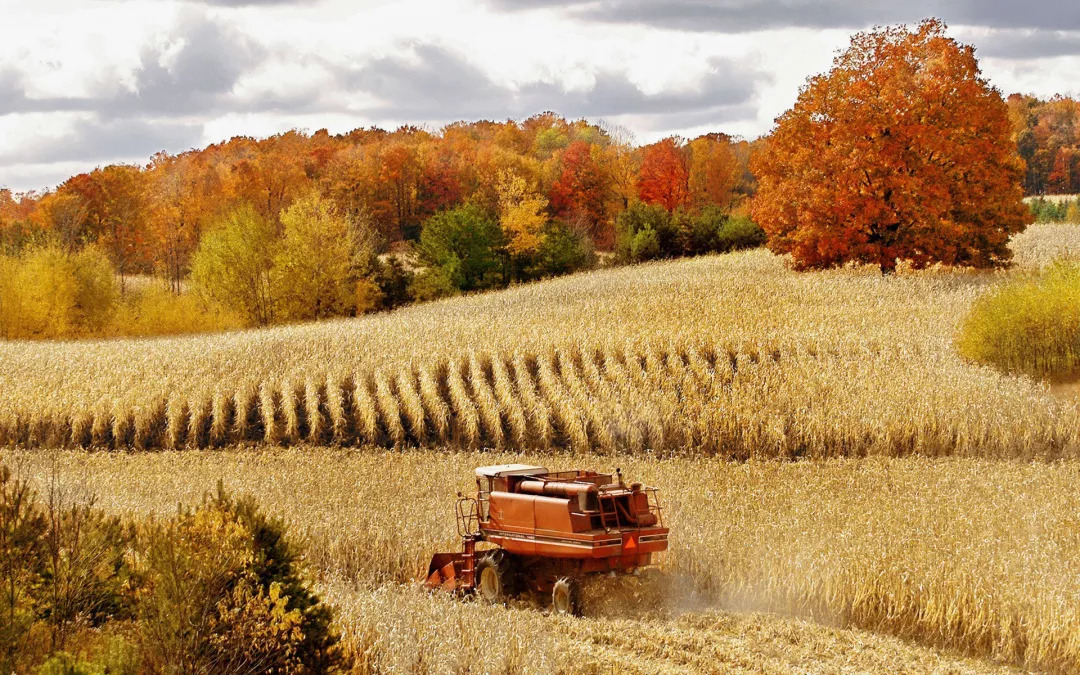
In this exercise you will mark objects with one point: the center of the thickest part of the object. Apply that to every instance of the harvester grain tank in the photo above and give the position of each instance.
(546, 531)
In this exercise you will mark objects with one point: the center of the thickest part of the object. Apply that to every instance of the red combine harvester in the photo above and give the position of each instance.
(550, 529)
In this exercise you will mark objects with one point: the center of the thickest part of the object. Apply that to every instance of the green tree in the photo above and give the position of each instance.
(645, 231)
(316, 263)
(233, 265)
(466, 246)
(562, 250)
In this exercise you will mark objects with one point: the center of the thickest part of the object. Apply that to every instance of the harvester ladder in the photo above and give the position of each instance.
(609, 519)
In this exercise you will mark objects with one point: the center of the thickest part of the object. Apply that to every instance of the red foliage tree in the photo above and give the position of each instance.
(665, 175)
(901, 151)
(579, 194)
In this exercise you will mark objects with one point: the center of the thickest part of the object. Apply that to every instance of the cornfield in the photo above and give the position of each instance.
(959, 554)
(733, 355)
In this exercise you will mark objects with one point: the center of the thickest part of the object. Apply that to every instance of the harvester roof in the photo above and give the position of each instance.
(509, 470)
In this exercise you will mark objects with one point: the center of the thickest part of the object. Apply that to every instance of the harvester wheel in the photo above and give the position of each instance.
(495, 577)
(566, 597)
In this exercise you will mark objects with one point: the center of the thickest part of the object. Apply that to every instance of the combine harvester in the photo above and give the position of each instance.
(549, 530)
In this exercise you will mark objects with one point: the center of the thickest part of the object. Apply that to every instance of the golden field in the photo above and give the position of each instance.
(968, 556)
(935, 530)
(731, 355)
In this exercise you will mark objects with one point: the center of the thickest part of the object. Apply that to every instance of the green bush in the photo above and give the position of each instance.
(1029, 325)
(738, 233)
(467, 245)
(644, 232)
(638, 218)
(645, 245)
(563, 250)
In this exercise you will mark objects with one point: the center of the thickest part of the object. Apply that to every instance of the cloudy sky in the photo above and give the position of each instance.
(85, 83)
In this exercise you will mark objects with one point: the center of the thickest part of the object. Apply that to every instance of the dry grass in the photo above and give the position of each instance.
(733, 355)
(970, 554)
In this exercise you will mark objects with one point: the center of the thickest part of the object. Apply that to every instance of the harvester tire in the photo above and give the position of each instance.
(566, 597)
(495, 578)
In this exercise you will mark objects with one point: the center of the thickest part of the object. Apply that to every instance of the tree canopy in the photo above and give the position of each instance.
(901, 152)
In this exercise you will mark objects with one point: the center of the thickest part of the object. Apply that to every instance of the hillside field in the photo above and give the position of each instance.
(928, 523)
(730, 355)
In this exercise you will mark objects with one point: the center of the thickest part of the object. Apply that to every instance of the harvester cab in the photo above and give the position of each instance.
(547, 530)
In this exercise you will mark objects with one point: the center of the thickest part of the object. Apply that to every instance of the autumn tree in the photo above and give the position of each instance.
(901, 152)
(313, 263)
(521, 214)
(580, 193)
(180, 194)
(122, 212)
(665, 174)
(234, 263)
(714, 171)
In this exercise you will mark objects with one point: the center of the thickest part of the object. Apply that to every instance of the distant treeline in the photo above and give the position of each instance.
(1047, 135)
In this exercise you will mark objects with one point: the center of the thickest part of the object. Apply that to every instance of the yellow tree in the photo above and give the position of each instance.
(521, 214)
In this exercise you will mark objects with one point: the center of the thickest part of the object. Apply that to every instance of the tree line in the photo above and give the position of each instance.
(1047, 135)
(902, 153)
(151, 218)
(298, 227)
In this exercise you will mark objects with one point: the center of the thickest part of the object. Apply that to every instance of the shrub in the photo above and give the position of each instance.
(738, 233)
(432, 284)
(1029, 325)
(156, 310)
(466, 244)
(224, 594)
(562, 250)
(393, 280)
(645, 245)
(637, 218)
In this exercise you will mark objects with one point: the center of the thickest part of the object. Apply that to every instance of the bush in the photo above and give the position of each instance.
(224, 595)
(156, 310)
(645, 232)
(467, 245)
(738, 233)
(62, 566)
(645, 245)
(1054, 211)
(638, 218)
(49, 293)
(563, 250)
(393, 280)
(1029, 325)
(215, 589)
(432, 284)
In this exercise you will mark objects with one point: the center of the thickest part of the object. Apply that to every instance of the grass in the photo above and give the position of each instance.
(731, 355)
(956, 554)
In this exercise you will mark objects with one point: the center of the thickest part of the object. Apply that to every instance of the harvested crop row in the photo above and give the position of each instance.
(734, 401)
(732, 354)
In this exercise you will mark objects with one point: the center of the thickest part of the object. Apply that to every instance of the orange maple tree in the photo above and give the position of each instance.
(665, 174)
(901, 152)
